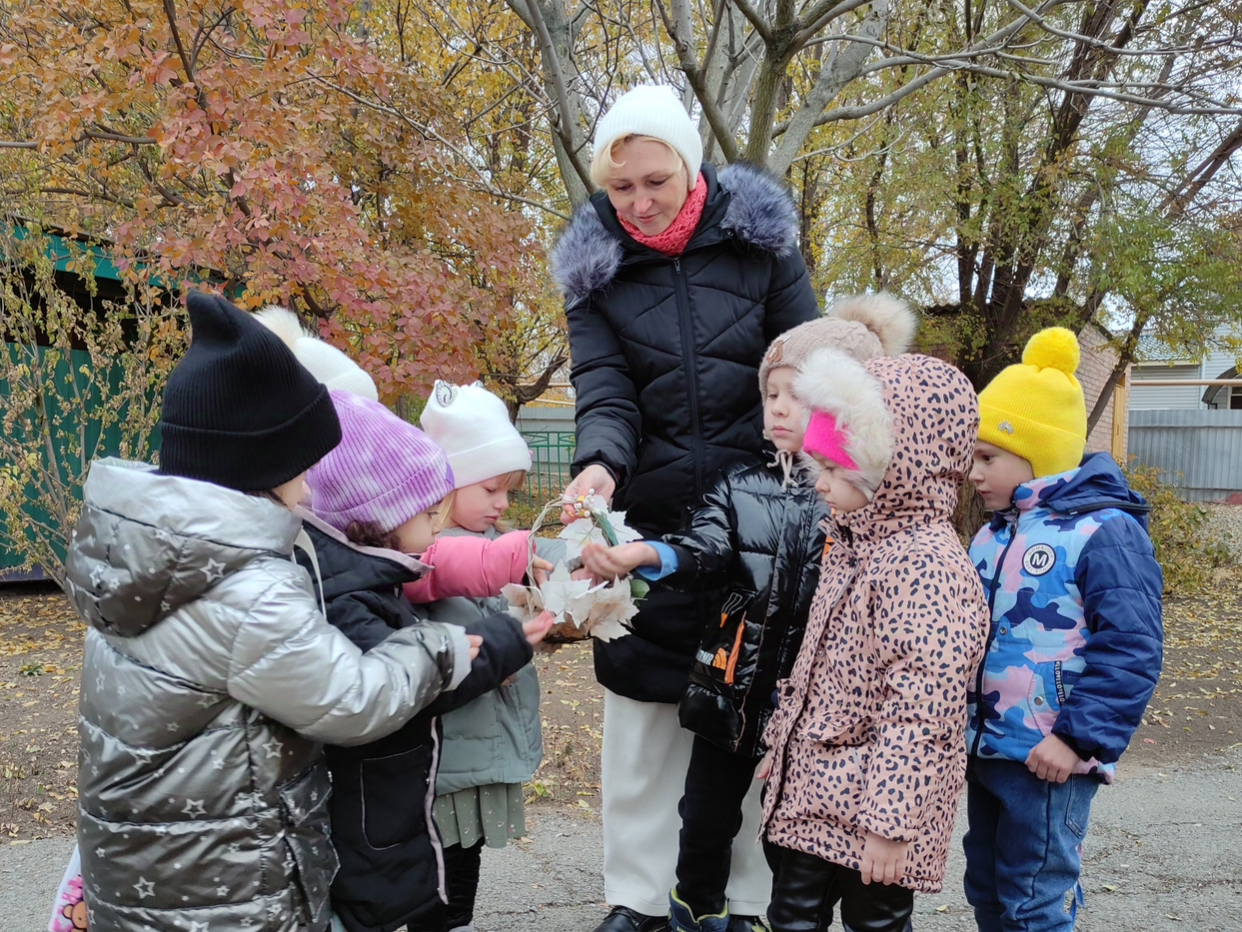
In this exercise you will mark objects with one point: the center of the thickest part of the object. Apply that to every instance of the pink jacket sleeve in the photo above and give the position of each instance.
(474, 567)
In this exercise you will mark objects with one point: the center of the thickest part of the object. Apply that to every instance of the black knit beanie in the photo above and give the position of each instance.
(239, 410)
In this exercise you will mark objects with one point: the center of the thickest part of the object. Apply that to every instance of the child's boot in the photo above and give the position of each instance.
(682, 919)
(747, 924)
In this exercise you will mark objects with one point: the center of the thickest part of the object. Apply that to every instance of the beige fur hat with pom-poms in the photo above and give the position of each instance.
(1035, 409)
(864, 326)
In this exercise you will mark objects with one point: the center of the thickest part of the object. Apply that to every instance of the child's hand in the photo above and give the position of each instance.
(540, 568)
(765, 767)
(883, 861)
(475, 643)
(609, 563)
(1052, 760)
(538, 627)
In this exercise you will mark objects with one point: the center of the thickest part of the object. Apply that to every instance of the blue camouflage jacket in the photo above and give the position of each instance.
(1075, 643)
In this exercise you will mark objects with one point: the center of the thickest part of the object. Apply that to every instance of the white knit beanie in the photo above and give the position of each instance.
(472, 426)
(656, 111)
(325, 362)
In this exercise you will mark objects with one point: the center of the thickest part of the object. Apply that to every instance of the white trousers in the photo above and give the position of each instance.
(644, 761)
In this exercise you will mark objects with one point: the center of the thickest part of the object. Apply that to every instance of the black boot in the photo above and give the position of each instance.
(624, 919)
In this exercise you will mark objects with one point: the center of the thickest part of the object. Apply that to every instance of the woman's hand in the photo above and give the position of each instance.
(475, 643)
(537, 628)
(609, 563)
(594, 477)
(883, 861)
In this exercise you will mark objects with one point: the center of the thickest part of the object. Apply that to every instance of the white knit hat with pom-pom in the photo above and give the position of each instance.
(325, 362)
(864, 326)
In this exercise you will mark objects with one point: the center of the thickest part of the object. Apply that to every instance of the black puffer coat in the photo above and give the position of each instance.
(666, 355)
(392, 866)
(763, 539)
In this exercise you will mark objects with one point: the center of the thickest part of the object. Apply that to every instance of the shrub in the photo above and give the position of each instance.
(80, 377)
(1187, 548)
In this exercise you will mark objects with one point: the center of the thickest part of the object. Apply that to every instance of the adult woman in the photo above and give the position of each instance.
(675, 278)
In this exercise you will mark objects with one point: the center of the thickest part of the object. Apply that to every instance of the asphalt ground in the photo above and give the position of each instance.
(1162, 855)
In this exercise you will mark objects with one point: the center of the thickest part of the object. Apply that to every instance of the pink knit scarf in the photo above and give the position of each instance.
(674, 240)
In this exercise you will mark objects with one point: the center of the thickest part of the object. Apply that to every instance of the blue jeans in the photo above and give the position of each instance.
(1024, 846)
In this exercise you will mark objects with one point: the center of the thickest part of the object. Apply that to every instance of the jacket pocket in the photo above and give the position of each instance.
(723, 644)
(1044, 698)
(394, 797)
(832, 783)
(304, 809)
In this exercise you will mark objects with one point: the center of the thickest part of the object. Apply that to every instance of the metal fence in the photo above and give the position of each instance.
(551, 452)
(1197, 452)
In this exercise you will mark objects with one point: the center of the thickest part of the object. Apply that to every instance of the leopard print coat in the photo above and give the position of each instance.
(869, 733)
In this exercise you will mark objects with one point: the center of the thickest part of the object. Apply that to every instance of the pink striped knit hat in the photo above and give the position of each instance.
(385, 470)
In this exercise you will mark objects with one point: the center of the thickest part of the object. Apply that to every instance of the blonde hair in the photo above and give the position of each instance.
(511, 481)
(605, 161)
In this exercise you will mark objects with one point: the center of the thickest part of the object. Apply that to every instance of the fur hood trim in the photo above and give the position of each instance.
(761, 213)
(586, 257)
(838, 384)
(889, 318)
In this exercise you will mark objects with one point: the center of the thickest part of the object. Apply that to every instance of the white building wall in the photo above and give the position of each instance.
(1147, 398)
(1218, 363)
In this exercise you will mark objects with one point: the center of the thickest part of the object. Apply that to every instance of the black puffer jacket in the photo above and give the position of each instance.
(666, 355)
(392, 866)
(763, 538)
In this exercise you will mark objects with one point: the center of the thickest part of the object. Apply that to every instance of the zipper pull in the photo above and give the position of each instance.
(677, 264)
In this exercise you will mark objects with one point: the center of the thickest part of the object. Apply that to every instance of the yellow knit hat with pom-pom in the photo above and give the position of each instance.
(1036, 409)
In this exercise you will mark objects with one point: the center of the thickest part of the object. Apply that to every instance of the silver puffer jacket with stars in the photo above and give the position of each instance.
(210, 678)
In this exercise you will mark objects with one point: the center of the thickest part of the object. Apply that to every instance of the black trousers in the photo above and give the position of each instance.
(711, 814)
(461, 869)
(806, 888)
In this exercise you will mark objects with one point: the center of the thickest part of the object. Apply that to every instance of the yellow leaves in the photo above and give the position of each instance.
(124, 41)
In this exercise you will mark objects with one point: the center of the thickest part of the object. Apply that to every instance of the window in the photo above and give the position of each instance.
(1235, 398)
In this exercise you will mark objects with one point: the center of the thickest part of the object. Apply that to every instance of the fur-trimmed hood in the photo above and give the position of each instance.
(759, 212)
(911, 422)
(833, 382)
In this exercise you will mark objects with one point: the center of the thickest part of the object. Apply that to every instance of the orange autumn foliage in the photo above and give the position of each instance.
(264, 142)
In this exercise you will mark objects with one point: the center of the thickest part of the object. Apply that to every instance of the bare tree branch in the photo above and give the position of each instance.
(694, 74)
(565, 125)
(756, 20)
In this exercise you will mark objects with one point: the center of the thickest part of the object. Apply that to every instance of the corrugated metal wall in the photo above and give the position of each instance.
(1199, 452)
